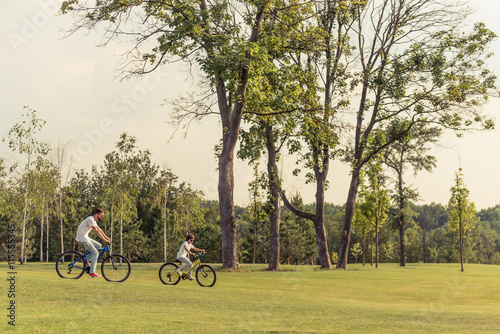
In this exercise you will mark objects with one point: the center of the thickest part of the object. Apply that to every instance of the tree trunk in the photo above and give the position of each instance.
(25, 218)
(371, 249)
(164, 219)
(61, 221)
(402, 256)
(111, 232)
(461, 245)
(41, 238)
(227, 214)
(401, 218)
(347, 226)
(47, 243)
(254, 241)
(376, 244)
(121, 226)
(424, 236)
(272, 169)
(364, 248)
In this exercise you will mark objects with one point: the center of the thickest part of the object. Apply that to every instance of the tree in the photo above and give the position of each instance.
(44, 190)
(415, 64)
(320, 129)
(127, 170)
(164, 192)
(222, 38)
(361, 223)
(430, 217)
(375, 200)
(462, 212)
(62, 168)
(409, 151)
(356, 251)
(255, 213)
(22, 140)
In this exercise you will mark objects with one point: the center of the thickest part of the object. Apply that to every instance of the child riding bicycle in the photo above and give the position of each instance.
(183, 252)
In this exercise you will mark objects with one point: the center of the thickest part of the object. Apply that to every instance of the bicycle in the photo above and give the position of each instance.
(205, 275)
(72, 265)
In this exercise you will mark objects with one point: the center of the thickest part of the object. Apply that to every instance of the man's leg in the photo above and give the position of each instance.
(92, 247)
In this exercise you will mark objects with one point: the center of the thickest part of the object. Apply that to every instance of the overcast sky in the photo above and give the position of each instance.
(72, 84)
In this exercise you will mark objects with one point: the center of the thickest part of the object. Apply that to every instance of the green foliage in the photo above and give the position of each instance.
(374, 198)
(356, 251)
(462, 212)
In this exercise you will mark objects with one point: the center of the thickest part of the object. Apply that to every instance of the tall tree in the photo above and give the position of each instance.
(61, 164)
(22, 140)
(416, 63)
(221, 37)
(462, 212)
(375, 200)
(320, 129)
(409, 152)
(165, 192)
(44, 189)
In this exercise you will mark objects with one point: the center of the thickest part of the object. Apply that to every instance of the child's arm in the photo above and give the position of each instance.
(198, 250)
(187, 249)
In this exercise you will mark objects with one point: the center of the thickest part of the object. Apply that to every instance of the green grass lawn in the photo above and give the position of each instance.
(419, 298)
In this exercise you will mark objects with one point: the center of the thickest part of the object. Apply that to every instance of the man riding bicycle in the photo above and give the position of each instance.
(82, 237)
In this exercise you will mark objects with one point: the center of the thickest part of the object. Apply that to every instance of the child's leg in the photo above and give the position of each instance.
(186, 262)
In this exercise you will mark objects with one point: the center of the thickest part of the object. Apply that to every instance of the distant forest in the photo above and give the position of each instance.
(148, 212)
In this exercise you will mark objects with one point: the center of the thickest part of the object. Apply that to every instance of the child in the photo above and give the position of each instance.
(182, 254)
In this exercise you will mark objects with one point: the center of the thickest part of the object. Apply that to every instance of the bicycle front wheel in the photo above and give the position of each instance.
(70, 265)
(168, 274)
(205, 276)
(115, 268)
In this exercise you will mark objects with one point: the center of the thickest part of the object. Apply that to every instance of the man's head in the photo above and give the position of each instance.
(98, 214)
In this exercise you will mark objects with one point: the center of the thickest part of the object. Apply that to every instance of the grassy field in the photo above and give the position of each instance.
(419, 298)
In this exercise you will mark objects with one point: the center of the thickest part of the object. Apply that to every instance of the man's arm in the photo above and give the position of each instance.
(101, 234)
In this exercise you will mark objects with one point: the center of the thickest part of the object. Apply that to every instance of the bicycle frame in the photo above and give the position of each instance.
(84, 256)
(194, 264)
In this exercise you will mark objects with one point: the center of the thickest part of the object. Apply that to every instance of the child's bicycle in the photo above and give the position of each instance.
(114, 268)
(205, 275)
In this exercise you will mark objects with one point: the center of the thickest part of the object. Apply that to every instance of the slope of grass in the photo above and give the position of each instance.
(419, 298)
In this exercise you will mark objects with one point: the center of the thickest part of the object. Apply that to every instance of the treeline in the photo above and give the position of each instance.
(148, 212)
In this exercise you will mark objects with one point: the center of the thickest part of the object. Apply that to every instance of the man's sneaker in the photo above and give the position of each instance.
(191, 278)
(179, 271)
(94, 275)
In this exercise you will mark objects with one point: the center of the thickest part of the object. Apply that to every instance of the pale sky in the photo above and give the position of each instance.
(72, 84)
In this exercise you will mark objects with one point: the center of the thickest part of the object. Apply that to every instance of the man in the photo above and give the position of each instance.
(82, 237)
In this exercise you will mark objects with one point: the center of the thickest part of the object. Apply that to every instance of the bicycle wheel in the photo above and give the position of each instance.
(168, 274)
(70, 265)
(115, 268)
(205, 276)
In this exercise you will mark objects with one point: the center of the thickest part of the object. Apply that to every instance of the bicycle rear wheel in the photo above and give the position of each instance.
(115, 268)
(168, 274)
(205, 276)
(70, 265)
